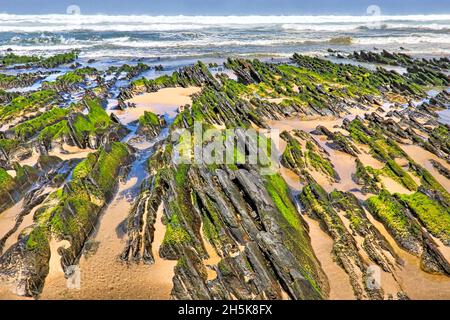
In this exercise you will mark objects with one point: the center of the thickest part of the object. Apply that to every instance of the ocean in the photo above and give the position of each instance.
(199, 37)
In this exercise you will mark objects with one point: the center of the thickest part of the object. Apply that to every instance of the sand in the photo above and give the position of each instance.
(322, 244)
(26, 222)
(71, 152)
(8, 218)
(213, 259)
(31, 161)
(163, 102)
(103, 275)
(393, 186)
(416, 283)
(423, 157)
(367, 159)
(307, 125)
(344, 164)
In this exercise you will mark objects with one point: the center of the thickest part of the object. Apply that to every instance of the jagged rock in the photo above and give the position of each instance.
(439, 167)
(316, 203)
(363, 178)
(339, 141)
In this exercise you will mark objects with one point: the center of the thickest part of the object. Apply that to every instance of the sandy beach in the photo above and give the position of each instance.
(163, 102)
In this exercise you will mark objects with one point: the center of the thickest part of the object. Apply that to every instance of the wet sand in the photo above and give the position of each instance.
(164, 101)
(308, 124)
(103, 275)
(8, 218)
(322, 244)
(31, 161)
(393, 186)
(423, 157)
(26, 222)
(344, 164)
(416, 283)
(410, 278)
(70, 152)
(367, 159)
(213, 259)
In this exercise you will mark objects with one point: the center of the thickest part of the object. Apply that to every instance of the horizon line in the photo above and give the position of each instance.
(228, 15)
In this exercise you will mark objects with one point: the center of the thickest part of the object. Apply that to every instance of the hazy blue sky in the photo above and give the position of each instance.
(226, 7)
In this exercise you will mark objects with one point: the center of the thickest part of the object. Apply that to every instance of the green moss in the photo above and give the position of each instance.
(440, 136)
(318, 162)
(279, 192)
(6, 181)
(50, 62)
(181, 174)
(224, 268)
(390, 211)
(430, 183)
(96, 121)
(434, 216)
(393, 170)
(37, 240)
(108, 165)
(23, 173)
(178, 78)
(176, 234)
(292, 156)
(84, 168)
(58, 59)
(353, 212)
(365, 176)
(360, 77)
(29, 128)
(85, 213)
(149, 119)
(295, 235)
(210, 231)
(74, 77)
(27, 103)
(12, 58)
(7, 145)
(54, 132)
(17, 81)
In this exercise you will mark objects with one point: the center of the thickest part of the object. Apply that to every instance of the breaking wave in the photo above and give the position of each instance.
(207, 35)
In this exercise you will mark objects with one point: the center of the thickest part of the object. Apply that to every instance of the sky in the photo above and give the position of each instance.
(226, 7)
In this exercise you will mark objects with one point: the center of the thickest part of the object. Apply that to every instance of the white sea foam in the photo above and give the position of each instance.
(177, 36)
(358, 26)
(411, 40)
(55, 23)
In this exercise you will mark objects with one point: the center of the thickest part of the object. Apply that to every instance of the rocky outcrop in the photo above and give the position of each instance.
(142, 217)
(317, 205)
(68, 214)
(150, 125)
(367, 181)
(262, 253)
(338, 141)
(440, 168)
(14, 190)
(405, 229)
(20, 81)
(314, 157)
